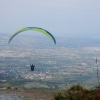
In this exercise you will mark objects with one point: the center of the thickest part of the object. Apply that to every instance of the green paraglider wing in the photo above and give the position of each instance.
(35, 29)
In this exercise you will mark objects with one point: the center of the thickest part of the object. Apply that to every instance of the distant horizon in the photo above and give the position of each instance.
(58, 36)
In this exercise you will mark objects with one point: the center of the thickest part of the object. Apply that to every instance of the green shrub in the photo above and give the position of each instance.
(77, 92)
(9, 88)
(59, 96)
(16, 88)
(76, 88)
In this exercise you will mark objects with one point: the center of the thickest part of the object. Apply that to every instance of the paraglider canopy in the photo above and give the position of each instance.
(35, 29)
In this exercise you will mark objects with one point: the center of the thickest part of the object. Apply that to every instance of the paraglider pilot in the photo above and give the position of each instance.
(32, 67)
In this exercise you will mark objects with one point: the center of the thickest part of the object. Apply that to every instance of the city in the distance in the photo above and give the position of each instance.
(70, 61)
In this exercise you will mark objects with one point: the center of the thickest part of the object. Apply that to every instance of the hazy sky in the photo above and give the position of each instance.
(60, 17)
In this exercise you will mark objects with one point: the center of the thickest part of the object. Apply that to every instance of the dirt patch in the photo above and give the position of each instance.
(33, 95)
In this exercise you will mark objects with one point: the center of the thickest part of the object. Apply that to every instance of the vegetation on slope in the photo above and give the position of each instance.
(77, 92)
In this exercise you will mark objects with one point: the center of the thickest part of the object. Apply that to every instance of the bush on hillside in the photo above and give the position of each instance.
(77, 92)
